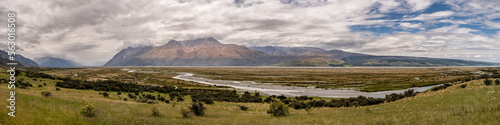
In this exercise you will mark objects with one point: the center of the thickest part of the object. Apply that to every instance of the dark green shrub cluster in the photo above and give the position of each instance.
(222, 95)
(487, 82)
(351, 102)
(23, 85)
(303, 97)
(244, 108)
(105, 94)
(497, 82)
(463, 85)
(444, 86)
(40, 86)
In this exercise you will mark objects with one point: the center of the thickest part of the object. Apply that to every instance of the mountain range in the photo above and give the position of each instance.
(56, 62)
(21, 60)
(210, 52)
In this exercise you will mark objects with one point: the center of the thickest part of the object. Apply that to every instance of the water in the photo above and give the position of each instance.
(292, 91)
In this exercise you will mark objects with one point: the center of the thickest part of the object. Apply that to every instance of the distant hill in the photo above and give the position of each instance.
(56, 62)
(357, 59)
(198, 52)
(210, 52)
(18, 58)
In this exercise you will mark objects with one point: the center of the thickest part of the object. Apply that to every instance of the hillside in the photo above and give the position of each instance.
(358, 59)
(55, 62)
(19, 58)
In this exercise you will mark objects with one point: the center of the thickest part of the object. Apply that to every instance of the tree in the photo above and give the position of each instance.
(278, 108)
(487, 82)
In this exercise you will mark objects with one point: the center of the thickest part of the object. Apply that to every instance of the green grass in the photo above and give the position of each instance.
(476, 104)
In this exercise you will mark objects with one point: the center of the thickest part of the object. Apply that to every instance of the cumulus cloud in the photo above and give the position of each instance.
(93, 31)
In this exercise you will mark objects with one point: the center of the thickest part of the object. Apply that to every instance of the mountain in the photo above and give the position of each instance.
(210, 52)
(357, 59)
(56, 62)
(18, 58)
(198, 52)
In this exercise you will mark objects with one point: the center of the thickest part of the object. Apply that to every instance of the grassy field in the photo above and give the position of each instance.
(475, 104)
(362, 78)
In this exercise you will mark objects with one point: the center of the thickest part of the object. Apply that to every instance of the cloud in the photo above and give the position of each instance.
(410, 25)
(93, 31)
(432, 16)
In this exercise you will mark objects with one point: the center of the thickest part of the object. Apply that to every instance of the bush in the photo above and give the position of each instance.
(45, 84)
(119, 93)
(105, 94)
(244, 108)
(444, 86)
(57, 89)
(278, 108)
(497, 82)
(463, 85)
(125, 99)
(155, 111)
(209, 101)
(197, 108)
(46, 94)
(487, 82)
(88, 110)
(186, 113)
(40, 86)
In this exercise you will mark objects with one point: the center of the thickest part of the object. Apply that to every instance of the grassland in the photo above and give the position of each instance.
(475, 104)
(364, 79)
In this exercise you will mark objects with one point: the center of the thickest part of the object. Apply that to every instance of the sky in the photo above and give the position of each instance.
(91, 32)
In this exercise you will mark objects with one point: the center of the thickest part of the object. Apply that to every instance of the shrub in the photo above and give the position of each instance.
(105, 94)
(244, 108)
(155, 111)
(497, 82)
(487, 82)
(186, 113)
(463, 85)
(278, 108)
(167, 101)
(209, 101)
(119, 93)
(46, 94)
(88, 110)
(125, 99)
(45, 84)
(197, 108)
(40, 86)
(57, 89)
(444, 86)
